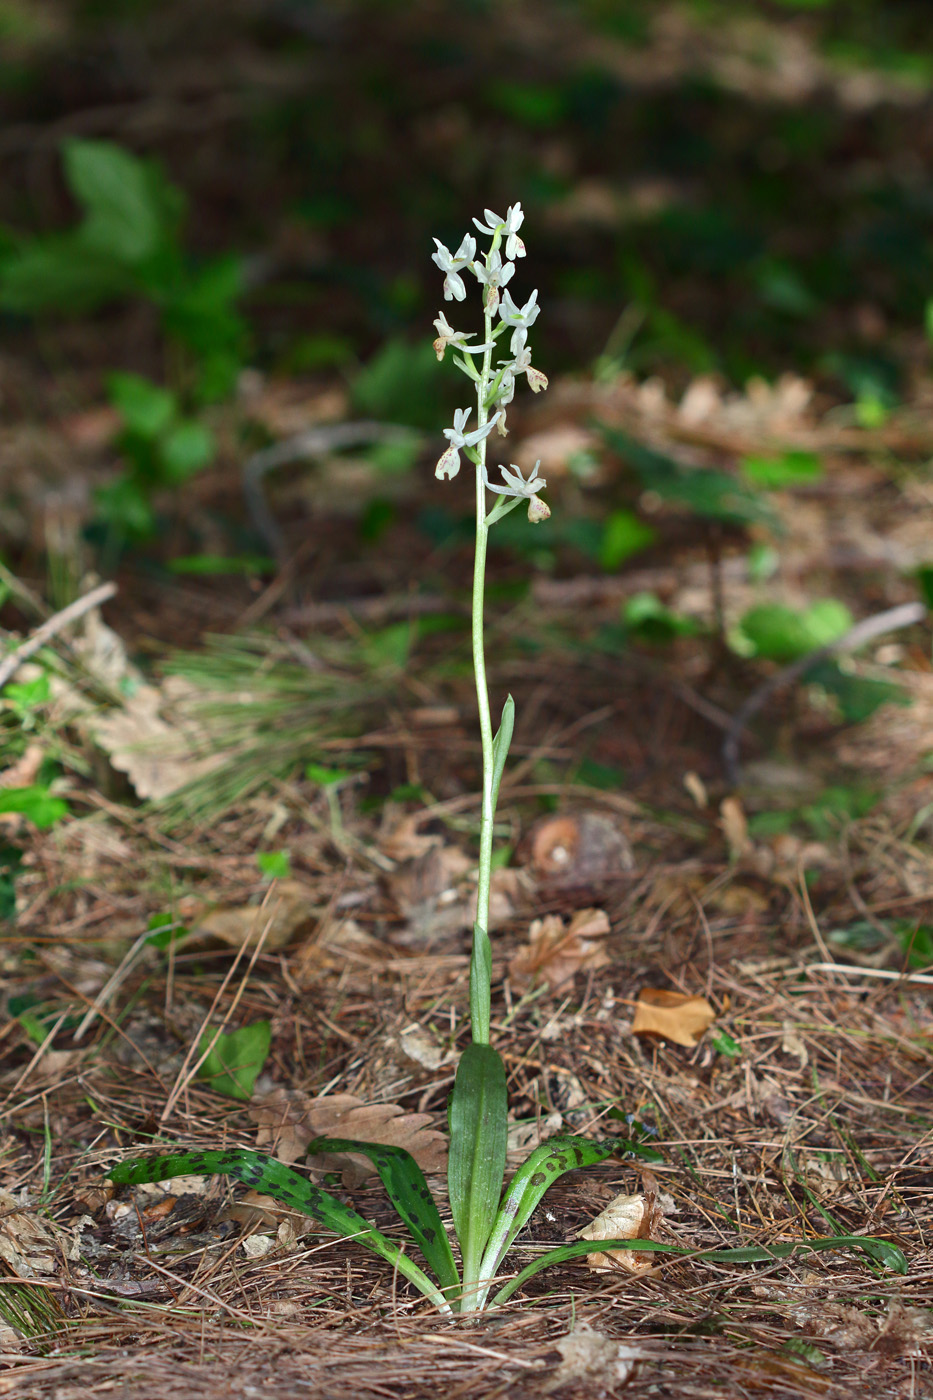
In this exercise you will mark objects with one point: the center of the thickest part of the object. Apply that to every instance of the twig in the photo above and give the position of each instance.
(51, 627)
(885, 973)
(316, 442)
(904, 615)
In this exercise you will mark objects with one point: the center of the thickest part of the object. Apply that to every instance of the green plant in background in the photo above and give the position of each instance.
(487, 1214)
(128, 246)
(233, 1059)
(161, 449)
(776, 632)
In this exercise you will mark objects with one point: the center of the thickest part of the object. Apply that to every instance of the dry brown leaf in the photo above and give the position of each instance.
(555, 953)
(288, 908)
(437, 894)
(29, 1245)
(158, 757)
(259, 1212)
(288, 1120)
(424, 1049)
(672, 1016)
(634, 1217)
(580, 849)
(599, 1361)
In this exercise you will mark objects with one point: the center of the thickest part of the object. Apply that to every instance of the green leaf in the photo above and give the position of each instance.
(274, 865)
(645, 615)
(25, 696)
(185, 449)
(711, 494)
(272, 1178)
(623, 535)
(122, 216)
(784, 634)
(500, 746)
(480, 984)
(858, 697)
(916, 942)
(125, 506)
(11, 860)
(328, 777)
(546, 1165)
(389, 648)
(34, 803)
(476, 1166)
(779, 473)
(59, 274)
(146, 408)
(164, 931)
(236, 1058)
(888, 1255)
(401, 383)
(408, 1191)
(725, 1044)
(217, 565)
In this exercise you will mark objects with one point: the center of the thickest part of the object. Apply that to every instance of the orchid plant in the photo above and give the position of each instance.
(487, 1214)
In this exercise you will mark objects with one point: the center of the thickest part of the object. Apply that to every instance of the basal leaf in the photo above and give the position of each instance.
(404, 1181)
(272, 1178)
(478, 1143)
(879, 1250)
(546, 1165)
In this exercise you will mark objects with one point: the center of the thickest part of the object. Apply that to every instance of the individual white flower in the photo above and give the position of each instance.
(450, 263)
(521, 364)
(446, 335)
(449, 463)
(495, 273)
(519, 317)
(493, 276)
(515, 483)
(514, 247)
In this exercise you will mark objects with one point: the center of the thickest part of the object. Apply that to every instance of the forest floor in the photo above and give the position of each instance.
(713, 915)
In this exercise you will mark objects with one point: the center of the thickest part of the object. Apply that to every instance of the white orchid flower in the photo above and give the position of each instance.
(451, 263)
(515, 483)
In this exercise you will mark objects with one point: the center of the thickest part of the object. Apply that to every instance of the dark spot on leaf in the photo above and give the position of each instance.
(538, 1179)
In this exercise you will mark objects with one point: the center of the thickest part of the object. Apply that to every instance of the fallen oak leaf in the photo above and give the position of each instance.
(672, 1016)
(555, 952)
(289, 1120)
(627, 1217)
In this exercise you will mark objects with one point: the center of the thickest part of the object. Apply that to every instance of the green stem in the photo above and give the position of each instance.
(479, 1004)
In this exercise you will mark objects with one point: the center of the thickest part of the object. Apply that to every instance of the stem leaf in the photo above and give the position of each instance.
(500, 747)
